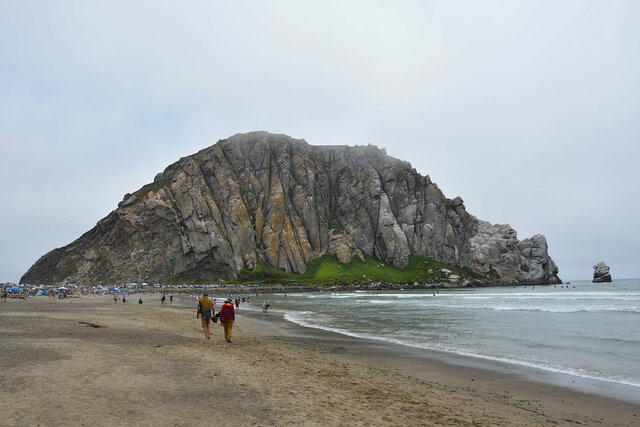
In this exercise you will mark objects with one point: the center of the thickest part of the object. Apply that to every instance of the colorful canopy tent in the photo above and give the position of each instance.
(15, 290)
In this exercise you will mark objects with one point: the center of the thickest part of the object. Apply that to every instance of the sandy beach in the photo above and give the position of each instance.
(149, 365)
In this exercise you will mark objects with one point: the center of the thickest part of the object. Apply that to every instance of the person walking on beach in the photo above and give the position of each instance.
(171, 298)
(4, 294)
(205, 309)
(163, 299)
(227, 316)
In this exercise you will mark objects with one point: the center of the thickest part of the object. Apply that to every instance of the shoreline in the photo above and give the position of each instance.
(150, 365)
(583, 384)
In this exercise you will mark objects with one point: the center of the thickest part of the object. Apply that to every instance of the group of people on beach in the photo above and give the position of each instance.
(206, 311)
(117, 297)
(226, 315)
(164, 298)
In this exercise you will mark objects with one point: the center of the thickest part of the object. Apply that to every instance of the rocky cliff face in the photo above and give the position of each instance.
(263, 197)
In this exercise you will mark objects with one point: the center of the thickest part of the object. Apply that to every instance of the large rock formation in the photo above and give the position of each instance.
(263, 197)
(601, 273)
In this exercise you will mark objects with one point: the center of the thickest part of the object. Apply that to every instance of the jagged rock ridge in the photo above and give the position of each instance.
(264, 197)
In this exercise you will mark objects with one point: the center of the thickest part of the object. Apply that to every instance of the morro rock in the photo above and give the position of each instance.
(260, 197)
(601, 273)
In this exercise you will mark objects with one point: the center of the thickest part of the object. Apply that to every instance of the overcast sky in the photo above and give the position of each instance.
(530, 111)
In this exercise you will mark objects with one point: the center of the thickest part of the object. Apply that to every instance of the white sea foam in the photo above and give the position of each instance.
(504, 305)
(313, 320)
(543, 327)
(249, 307)
(513, 295)
(569, 309)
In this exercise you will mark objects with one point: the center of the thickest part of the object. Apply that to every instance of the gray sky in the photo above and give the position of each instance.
(530, 111)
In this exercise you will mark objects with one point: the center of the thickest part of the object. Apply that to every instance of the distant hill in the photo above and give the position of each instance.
(259, 202)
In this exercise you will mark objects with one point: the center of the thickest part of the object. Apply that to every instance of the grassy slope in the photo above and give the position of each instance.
(154, 186)
(328, 270)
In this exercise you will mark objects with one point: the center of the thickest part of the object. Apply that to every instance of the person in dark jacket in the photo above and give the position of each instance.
(227, 316)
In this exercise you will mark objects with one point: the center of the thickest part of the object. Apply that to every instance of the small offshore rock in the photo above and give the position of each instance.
(601, 273)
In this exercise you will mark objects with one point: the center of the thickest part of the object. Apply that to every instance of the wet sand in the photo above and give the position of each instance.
(149, 365)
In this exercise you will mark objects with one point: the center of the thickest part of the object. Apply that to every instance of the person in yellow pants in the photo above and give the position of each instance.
(227, 316)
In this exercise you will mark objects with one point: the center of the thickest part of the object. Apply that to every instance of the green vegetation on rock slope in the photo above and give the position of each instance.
(327, 270)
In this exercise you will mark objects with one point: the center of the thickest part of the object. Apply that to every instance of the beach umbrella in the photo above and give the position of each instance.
(62, 288)
(15, 288)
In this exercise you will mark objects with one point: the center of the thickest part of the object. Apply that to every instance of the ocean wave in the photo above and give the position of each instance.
(331, 295)
(635, 310)
(545, 309)
(559, 296)
(250, 307)
(554, 296)
(502, 306)
(313, 320)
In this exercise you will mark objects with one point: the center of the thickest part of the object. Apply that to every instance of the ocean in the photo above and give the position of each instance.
(579, 329)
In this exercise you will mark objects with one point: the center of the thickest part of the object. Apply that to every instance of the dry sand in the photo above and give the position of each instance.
(149, 365)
